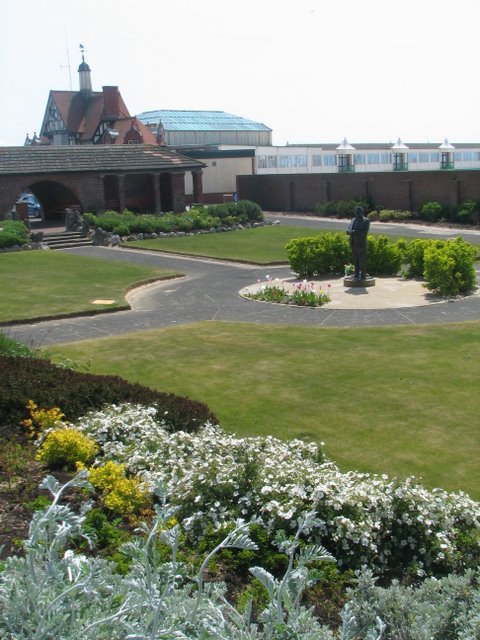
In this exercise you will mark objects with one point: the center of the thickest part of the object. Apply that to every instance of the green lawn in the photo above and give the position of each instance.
(39, 284)
(397, 400)
(263, 245)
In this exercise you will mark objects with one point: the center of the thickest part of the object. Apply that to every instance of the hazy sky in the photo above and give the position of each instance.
(311, 70)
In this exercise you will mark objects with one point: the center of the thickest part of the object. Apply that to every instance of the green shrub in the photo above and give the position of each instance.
(13, 233)
(329, 252)
(247, 210)
(449, 269)
(127, 222)
(342, 208)
(384, 257)
(385, 215)
(414, 252)
(122, 230)
(319, 255)
(468, 212)
(431, 211)
(65, 447)
(25, 379)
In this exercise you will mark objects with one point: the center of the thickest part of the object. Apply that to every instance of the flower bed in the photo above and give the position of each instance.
(213, 477)
(302, 294)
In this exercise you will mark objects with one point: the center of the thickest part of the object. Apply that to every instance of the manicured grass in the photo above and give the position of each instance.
(38, 284)
(263, 245)
(397, 400)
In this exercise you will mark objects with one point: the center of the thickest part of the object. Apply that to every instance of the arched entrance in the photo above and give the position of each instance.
(54, 198)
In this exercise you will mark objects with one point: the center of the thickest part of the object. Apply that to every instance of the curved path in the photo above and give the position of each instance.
(210, 291)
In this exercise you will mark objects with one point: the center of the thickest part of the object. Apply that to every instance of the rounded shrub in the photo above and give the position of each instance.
(431, 211)
(450, 269)
(66, 447)
(8, 239)
(323, 254)
(468, 212)
(12, 233)
(414, 252)
(384, 258)
(121, 495)
(247, 209)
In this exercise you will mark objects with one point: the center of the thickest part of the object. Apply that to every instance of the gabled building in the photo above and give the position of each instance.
(90, 117)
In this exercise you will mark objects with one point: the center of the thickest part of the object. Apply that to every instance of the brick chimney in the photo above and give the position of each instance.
(111, 102)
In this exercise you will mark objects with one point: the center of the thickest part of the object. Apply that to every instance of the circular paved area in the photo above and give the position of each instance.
(210, 291)
(388, 293)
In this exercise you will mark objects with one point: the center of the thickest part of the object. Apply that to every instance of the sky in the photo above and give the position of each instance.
(311, 70)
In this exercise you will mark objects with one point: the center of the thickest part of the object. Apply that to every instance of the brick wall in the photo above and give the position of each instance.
(396, 190)
(86, 190)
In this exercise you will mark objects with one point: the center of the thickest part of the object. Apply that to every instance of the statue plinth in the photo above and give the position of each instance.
(351, 281)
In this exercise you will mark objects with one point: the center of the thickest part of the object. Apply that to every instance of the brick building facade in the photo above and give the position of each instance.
(142, 178)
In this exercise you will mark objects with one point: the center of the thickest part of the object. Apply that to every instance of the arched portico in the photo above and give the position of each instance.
(142, 178)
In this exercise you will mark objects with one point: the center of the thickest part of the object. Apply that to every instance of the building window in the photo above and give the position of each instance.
(423, 156)
(299, 161)
(360, 158)
(284, 162)
(316, 160)
(330, 160)
(412, 156)
(373, 158)
(435, 157)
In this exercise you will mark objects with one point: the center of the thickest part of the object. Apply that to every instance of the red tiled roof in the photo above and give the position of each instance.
(82, 116)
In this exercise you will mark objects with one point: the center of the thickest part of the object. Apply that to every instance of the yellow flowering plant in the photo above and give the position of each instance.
(41, 419)
(121, 495)
(66, 447)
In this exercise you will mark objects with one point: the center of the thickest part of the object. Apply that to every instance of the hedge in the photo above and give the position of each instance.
(75, 393)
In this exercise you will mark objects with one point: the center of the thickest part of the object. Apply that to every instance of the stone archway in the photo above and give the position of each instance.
(55, 198)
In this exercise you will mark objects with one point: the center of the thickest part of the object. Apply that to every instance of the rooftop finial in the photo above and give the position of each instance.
(82, 49)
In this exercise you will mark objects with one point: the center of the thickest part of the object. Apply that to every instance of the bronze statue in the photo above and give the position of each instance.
(357, 232)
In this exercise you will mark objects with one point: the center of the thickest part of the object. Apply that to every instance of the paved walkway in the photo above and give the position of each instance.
(210, 291)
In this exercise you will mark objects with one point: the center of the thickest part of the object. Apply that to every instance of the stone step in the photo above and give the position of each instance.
(66, 240)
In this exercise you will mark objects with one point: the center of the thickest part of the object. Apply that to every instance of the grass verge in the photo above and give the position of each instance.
(397, 400)
(263, 245)
(39, 284)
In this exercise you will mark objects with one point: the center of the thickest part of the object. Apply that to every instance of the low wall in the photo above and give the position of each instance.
(397, 190)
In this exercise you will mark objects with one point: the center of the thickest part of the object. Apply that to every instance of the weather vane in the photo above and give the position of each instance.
(82, 49)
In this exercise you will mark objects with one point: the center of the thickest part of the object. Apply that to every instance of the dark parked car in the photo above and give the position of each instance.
(34, 207)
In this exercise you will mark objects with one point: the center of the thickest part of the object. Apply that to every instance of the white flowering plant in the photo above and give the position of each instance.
(213, 477)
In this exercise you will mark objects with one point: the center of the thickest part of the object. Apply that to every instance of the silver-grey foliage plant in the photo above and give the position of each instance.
(51, 592)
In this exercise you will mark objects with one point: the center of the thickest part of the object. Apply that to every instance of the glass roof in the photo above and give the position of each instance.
(199, 121)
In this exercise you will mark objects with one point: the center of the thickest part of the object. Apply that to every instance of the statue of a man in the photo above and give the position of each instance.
(357, 231)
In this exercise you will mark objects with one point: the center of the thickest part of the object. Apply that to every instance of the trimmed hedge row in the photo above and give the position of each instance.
(75, 393)
(213, 216)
